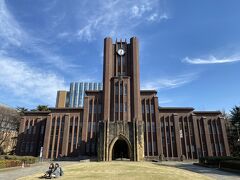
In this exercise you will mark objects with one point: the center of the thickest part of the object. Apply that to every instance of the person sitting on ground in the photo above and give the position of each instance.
(57, 171)
(49, 172)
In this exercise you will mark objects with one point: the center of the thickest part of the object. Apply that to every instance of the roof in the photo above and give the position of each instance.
(206, 112)
(52, 110)
(92, 91)
(176, 108)
(146, 91)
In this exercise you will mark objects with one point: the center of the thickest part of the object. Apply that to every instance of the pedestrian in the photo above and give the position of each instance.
(49, 172)
(57, 171)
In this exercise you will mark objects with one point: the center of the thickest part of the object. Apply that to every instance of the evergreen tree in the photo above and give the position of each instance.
(234, 134)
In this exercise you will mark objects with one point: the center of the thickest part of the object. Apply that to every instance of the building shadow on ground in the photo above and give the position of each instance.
(212, 172)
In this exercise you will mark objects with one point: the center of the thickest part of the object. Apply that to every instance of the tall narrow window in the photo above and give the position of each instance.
(116, 107)
(116, 89)
(152, 108)
(119, 60)
(147, 108)
(121, 89)
(99, 108)
(125, 90)
(121, 107)
(143, 109)
(125, 107)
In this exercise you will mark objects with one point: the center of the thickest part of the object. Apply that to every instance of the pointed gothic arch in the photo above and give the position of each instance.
(117, 140)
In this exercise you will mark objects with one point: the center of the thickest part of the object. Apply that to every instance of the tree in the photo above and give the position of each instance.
(235, 116)
(21, 110)
(233, 132)
(9, 123)
(42, 108)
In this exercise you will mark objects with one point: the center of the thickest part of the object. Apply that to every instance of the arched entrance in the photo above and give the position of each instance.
(120, 150)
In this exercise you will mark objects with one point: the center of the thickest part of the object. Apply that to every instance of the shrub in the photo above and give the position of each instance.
(231, 164)
(9, 163)
(214, 161)
(25, 159)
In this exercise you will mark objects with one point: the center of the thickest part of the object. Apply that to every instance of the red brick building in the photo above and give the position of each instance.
(123, 121)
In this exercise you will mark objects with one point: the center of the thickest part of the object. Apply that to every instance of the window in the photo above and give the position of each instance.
(42, 129)
(94, 127)
(87, 147)
(34, 129)
(89, 126)
(143, 109)
(99, 108)
(125, 107)
(123, 60)
(116, 89)
(119, 60)
(95, 108)
(152, 108)
(93, 146)
(192, 148)
(121, 107)
(125, 90)
(121, 89)
(31, 147)
(153, 127)
(30, 130)
(147, 108)
(116, 107)
(148, 126)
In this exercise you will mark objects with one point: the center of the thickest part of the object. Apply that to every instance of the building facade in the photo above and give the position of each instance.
(122, 121)
(75, 96)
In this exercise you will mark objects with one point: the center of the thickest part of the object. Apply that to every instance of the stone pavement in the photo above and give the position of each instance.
(17, 172)
(211, 172)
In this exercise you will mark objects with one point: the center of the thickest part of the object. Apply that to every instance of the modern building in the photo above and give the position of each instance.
(77, 92)
(75, 97)
(122, 121)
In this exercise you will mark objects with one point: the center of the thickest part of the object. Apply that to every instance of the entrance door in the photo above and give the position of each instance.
(120, 150)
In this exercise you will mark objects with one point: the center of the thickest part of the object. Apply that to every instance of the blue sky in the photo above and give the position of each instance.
(189, 50)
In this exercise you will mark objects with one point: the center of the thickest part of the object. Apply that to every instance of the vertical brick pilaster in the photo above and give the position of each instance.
(224, 133)
(158, 127)
(207, 136)
(196, 135)
(177, 135)
(47, 136)
(66, 135)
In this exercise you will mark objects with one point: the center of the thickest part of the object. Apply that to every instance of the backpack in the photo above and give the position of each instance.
(61, 172)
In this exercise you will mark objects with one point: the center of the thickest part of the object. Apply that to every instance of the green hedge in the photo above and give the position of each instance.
(214, 161)
(9, 163)
(231, 164)
(223, 162)
(25, 159)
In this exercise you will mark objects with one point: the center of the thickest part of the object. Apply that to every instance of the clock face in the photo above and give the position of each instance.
(121, 52)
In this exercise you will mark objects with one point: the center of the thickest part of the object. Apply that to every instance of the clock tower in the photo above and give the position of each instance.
(121, 130)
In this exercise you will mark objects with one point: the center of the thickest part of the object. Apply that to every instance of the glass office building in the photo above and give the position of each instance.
(77, 92)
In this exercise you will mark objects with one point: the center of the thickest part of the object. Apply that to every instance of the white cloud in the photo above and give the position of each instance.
(211, 60)
(168, 83)
(118, 18)
(153, 17)
(10, 31)
(12, 34)
(30, 84)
